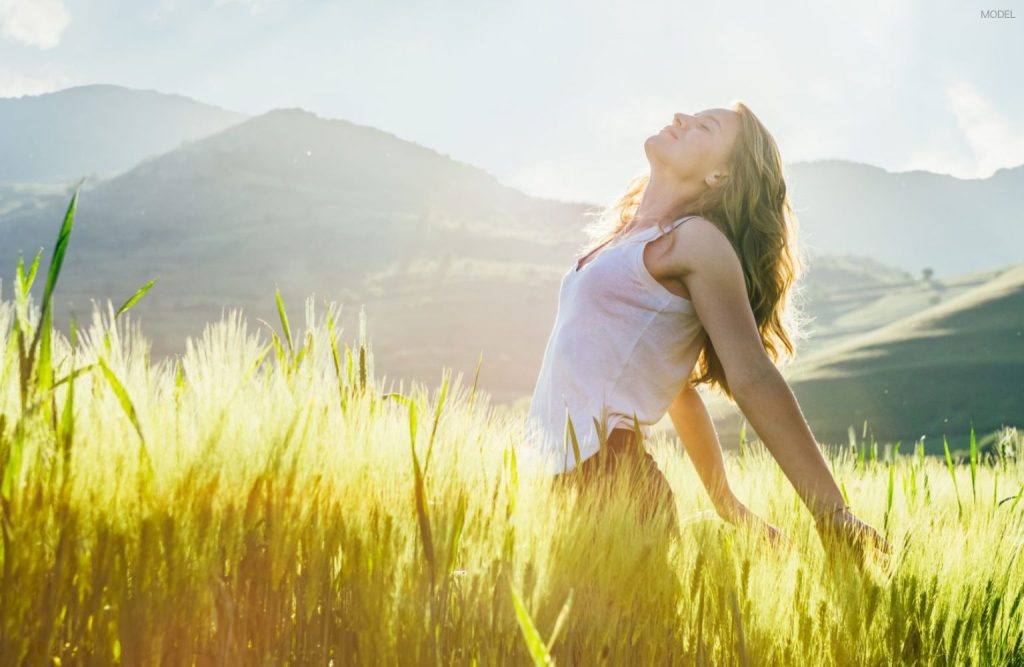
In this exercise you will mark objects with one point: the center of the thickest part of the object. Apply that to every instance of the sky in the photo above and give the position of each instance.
(556, 97)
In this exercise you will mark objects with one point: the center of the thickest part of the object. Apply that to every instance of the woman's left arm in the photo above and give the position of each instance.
(711, 271)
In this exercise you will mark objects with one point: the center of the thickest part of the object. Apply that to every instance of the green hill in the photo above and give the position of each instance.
(447, 261)
(933, 373)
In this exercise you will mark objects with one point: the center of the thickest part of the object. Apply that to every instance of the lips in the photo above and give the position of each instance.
(671, 130)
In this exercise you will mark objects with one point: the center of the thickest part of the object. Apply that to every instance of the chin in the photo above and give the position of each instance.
(655, 149)
(652, 147)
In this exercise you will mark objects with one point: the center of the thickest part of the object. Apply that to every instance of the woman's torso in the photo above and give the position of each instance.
(622, 343)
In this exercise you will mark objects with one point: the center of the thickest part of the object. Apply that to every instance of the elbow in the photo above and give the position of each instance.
(751, 375)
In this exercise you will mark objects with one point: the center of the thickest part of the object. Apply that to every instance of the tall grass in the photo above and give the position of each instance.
(274, 501)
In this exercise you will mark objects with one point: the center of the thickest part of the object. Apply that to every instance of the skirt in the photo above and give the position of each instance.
(624, 457)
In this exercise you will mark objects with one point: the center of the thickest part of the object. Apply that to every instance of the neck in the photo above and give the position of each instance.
(664, 200)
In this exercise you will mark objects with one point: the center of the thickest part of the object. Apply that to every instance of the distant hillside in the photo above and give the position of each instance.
(847, 295)
(932, 373)
(913, 219)
(448, 261)
(97, 131)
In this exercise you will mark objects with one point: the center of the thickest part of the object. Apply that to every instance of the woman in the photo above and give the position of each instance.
(685, 283)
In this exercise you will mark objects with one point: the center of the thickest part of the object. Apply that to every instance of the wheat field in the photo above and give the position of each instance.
(266, 498)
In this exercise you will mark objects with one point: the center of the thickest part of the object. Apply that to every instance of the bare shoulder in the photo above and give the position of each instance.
(698, 244)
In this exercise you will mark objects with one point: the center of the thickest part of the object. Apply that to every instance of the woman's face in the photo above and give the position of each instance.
(694, 147)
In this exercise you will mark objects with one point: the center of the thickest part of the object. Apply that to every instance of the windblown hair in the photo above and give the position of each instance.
(752, 209)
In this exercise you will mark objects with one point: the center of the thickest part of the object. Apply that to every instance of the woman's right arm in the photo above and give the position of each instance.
(697, 432)
(696, 429)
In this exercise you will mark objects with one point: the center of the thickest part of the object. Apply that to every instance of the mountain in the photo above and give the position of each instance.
(97, 130)
(913, 219)
(936, 372)
(447, 261)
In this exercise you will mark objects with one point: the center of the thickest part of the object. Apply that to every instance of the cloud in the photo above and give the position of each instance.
(978, 142)
(39, 23)
(994, 141)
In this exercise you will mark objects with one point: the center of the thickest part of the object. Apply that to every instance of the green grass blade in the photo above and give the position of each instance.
(973, 458)
(458, 523)
(129, 408)
(304, 351)
(419, 489)
(66, 426)
(279, 353)
(602, 433)
(20, 293)
(134, 299)
(258, 361)
(32, 270)
(60, 248)
(508, 457)
(1016, 499)
(534, 644)
(73, 375)
(952, 473)
(420, 500)
(570, 438)
(36, 366)
(44, 362)
(53, 273)
(442, 399)
(363, 367)
(350, 367)
(285, 327)
(179, 376)
(335, 354)
(889, 495)
(638, 432)
(363, 355)
(22, 282)
(476, 375)
(563, 616)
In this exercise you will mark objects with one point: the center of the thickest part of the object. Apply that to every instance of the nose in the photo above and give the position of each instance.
(682, 119)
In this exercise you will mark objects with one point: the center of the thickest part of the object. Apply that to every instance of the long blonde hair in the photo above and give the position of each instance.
(752, 209)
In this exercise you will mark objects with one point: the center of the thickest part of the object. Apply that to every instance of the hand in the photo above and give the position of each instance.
(736, 513)
(842, 530)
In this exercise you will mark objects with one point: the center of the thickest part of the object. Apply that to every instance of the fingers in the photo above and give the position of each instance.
(859, 537)
(867, 534)
(883, 544)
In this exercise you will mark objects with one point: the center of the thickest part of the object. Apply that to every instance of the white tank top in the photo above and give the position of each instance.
(621, 343)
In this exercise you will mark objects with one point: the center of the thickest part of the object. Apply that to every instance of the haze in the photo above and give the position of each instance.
(556, 98)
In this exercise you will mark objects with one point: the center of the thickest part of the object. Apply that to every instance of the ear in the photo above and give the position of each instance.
(716, 179)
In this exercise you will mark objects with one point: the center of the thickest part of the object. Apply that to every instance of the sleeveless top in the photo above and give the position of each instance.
(622, 344)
